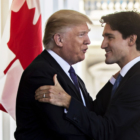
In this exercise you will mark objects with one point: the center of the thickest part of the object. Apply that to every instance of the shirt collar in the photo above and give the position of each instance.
(127, 67)
(64, 65)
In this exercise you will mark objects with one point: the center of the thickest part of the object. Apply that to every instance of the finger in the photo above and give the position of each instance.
(40, 92)
(41, 96)
(42, 88)
(46, 100)
(55, 79)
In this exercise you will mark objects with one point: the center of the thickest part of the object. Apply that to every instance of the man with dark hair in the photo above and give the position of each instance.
(116, 114)
(127, 23)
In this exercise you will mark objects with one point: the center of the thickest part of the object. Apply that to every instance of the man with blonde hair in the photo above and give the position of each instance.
(65, 41)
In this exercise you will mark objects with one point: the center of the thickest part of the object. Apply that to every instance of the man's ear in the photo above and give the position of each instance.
(132, 40)
(58, 40)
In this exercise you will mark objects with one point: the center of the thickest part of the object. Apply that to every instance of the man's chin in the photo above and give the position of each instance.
(109, 62)
(82, 58)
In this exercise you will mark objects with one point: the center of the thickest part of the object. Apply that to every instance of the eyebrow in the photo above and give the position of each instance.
(107, 34)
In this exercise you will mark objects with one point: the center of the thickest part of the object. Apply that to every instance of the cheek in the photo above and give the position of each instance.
(75, 47)
(120, 52)
(79, 43)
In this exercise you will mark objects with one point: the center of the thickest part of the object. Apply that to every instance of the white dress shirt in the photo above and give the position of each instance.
(126, 68)
(65, 66)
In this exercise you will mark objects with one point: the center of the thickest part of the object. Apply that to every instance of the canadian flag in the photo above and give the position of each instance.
(20, 44)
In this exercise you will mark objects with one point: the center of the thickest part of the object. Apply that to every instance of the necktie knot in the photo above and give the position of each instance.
(71, 70)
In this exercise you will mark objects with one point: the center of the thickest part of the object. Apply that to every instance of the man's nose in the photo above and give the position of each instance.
(104, 44)
(87, 40)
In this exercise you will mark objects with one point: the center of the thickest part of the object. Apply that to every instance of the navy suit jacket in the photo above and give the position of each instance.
(43, 121)
(112, 119)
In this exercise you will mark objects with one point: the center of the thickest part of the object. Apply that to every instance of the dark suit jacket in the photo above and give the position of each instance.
(43, 121)
(113, 119)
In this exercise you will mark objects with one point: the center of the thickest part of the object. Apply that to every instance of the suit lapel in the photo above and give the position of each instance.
(62, 76)
(129, 74)
(82, 87)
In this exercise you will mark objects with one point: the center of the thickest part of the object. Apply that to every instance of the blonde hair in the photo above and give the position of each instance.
(59, 21)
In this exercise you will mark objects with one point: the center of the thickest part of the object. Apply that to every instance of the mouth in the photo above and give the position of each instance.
(107, 52)
(84, 50)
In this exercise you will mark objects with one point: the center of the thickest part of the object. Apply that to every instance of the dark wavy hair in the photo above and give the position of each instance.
(127, 23)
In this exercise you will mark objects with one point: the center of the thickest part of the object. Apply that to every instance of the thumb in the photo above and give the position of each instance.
(55, 80)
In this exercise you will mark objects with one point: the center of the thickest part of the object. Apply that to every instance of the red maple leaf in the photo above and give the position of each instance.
(25, 38)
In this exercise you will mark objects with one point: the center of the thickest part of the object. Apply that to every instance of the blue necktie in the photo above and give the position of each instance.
(74, 77)
(117, 82)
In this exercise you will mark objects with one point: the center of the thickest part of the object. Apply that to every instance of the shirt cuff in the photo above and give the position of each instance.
(112, 80)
